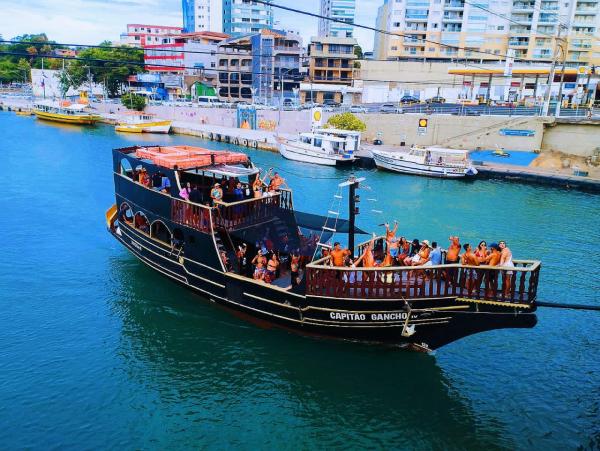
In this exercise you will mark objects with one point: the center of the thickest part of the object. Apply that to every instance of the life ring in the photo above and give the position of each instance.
(244, 142)
(218, 137)
(211, 136)
(235, 141)
(255, 144)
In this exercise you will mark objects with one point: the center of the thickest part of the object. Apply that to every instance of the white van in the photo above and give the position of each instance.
(208, 101)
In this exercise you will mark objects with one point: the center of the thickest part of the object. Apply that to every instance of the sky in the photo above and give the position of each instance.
(93, 21)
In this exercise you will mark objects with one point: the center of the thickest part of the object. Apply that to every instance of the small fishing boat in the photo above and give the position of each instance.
(326, 146)
(209, 249)
(65, 112)
(429, 161)
(24, 113)
(142, 123)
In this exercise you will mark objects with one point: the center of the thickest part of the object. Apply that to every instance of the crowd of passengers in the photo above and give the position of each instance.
(225, 190)
(398, 251)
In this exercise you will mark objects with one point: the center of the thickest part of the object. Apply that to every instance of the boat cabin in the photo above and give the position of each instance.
(351, 137)
(328, 143)
(441, 156)
(74, 109)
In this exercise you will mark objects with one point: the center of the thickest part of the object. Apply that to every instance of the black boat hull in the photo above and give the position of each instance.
(421, 324)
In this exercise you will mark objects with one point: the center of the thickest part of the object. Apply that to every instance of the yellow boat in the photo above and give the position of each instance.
(65, 113)
(142, 123)
(24, 113)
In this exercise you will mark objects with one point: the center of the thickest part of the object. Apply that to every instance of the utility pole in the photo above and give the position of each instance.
(558, 50)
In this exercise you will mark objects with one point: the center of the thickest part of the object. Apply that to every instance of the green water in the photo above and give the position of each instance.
(97, 351)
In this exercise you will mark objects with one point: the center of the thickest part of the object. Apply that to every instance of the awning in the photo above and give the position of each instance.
(226, 170)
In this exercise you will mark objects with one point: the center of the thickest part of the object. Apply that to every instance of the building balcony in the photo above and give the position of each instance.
(452, 19)
(581, 45)
(543, 54)
(586, 11)
(523, 8)
(522, 19)
(416, 18)
(453, 5)
(518, 42)
(587, 1)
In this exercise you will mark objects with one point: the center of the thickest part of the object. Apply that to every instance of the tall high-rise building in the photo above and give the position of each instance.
(342, 10)
(530, 27)
(246, 16)
(202, 15)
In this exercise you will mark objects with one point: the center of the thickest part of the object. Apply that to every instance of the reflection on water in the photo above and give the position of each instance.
(337, 393)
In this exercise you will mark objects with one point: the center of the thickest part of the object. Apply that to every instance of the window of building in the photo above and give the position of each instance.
(224, 91)
(394, 47)
(500, 27)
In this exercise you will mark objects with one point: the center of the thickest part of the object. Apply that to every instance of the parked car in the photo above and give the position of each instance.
(358, 109)
(436, 99)
(389, 108)
(407, 100)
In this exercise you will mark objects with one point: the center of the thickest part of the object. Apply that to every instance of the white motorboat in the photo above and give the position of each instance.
(327, 146)
(429, 161)
(137, 122)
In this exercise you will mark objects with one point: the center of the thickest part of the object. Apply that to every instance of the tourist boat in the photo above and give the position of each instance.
(65, 112)
(327, 146)
(142, 123)
(420, 308)
(430, 161)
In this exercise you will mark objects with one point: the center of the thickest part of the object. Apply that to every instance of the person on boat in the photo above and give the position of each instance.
(404, 250)
(257, 185)
(493, 259)
(436, 254)
(185, 191)
(452, 257)
(482, 252)
(294, 269)
(143, 177)
(157, 180)
(216, 194)
(506, 260)
(338, 255)
(276, 182)
(272, 267)
(468, 258)
(415, 247)
(391, 241)
(259, 262)
(367, 258)
(238, 192)
(423, 257)
(225, 261)
(195, 195)
(165, 184)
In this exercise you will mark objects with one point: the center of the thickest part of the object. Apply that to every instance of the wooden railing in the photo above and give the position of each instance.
(232, 215)
(192, 215)
(516, 285)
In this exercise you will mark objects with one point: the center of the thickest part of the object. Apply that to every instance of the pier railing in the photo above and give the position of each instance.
(511, 285)
(192, 215)
(235, 215)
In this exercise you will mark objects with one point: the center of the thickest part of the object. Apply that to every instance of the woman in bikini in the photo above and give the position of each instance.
(258, 184)
(272, 266)
(259, 262)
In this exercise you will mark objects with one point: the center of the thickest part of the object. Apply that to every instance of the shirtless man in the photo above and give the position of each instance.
(337, 255)
(492, 280)
(506, 260)
(452, 258)
(468, 258)
(367, 258)
(260, 262)
(276, 182)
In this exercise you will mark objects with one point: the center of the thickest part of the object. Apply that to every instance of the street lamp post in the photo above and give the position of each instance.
(281, 74)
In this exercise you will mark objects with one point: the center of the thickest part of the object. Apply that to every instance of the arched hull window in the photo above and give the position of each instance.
(126, 213)
(140, 221)
(160, 232)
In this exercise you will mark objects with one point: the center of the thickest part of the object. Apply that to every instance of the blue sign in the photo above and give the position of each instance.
(515, 132)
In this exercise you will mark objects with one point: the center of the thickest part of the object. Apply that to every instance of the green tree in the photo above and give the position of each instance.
(358, 52)
(133, 101)
(346, 121)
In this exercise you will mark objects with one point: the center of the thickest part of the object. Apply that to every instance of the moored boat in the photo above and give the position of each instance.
(429, 161)
(65, 112)
(208, 249)
(330, 147)
(142, 123)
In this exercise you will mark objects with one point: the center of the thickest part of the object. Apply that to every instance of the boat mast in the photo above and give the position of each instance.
(352, 184)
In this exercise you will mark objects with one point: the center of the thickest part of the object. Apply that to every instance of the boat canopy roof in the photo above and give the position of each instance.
(337, 131)
(226, 170)
(323, 137)
(442, 150)
(186, 157)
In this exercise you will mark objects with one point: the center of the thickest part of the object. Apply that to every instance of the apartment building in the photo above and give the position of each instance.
(444, 30)
(186, 53)
(242, 17)
(139, 35)
(330, 68)
(202, 15)
(341, 10)
(262, 67)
